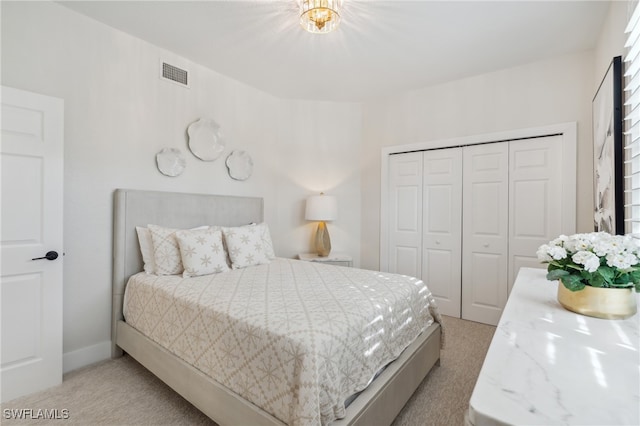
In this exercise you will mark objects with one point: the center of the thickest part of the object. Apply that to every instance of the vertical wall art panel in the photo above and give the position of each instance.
(607, 152)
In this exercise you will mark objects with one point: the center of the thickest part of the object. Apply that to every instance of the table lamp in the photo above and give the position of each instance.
(322, 208)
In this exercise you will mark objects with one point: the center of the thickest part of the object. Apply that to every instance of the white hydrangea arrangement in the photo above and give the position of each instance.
(596, 259)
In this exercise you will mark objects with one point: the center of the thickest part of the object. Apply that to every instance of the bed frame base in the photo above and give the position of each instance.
(210, 397)
(379, 404)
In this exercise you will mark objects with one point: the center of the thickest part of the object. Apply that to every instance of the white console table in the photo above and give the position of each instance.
(550, 366)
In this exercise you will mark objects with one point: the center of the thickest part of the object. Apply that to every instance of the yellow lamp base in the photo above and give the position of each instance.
(323, 242)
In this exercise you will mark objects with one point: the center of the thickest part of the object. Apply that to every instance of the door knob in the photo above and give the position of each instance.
(51, 255)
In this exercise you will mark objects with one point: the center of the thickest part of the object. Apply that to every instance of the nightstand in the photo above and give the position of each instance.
(339, 259)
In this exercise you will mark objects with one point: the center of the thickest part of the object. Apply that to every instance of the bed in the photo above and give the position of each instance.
(378, 403)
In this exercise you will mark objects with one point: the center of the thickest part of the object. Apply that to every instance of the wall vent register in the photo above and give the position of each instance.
(175, 74)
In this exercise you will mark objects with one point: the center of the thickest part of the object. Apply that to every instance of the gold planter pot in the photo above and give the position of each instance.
(607, 303)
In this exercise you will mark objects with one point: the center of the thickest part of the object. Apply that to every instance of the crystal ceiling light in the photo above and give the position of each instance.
(320, 16)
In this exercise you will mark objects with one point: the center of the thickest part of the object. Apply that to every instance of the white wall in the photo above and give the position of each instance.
(611, 39)
(539, 94)
(119, 114)
(319, 149)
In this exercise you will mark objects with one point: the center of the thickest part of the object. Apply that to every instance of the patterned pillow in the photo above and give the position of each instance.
(263, 229)
(166, 252)
(202, 252)
(146, 248)
(245, 246)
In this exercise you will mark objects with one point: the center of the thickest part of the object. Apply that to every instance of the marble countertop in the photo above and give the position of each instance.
(549, 366)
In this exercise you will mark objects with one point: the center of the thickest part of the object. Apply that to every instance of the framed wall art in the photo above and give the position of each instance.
(608, 159)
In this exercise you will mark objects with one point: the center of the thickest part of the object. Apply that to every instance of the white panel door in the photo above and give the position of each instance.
(485, 231)
(31, 157)
(405, 213)
(535, 199)
(442, 227)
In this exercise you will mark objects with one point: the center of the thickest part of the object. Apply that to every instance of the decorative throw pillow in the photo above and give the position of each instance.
(146, 248)
(267, 244)
(166, 252)
(202, 252)
(245, 246)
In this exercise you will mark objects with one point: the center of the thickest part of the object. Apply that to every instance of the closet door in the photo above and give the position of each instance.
(405, 213)
(442, 227)
(485, 230)
(535, 199)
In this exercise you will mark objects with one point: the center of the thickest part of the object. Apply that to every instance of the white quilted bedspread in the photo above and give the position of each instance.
(295, 338)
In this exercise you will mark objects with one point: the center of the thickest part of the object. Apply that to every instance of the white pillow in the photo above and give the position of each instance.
(166, 252)
(146, 248)
(263, 229)
(245, 246)
(202, 252)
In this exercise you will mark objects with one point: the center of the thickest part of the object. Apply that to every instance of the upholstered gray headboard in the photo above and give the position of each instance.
(133, 208)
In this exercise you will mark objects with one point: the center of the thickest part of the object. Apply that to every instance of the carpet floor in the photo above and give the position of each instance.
(122, 392)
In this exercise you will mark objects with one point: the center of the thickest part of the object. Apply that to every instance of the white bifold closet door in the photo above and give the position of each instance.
(485, 227)
(466, 219)
(535, 199)
(512, 205)
(405, 214)
(441, 231)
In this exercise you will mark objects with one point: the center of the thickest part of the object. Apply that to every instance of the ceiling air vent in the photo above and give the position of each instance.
(175, 74)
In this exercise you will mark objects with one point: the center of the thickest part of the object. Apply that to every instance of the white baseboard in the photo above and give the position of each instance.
(86, 356)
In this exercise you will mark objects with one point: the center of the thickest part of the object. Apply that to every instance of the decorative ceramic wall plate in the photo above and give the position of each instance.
(240, 165)
(171, 162)
(205, 139)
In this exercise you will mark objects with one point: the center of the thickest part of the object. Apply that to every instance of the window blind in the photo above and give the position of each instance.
(632, 125)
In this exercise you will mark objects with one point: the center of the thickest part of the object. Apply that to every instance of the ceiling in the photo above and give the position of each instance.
(381, 47)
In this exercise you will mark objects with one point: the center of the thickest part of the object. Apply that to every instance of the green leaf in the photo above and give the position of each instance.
(574, 266)
(607, 273)
(622, 279)
(554, 264)
(637, 285)
(572, 282)
(634, 275)
(556, 274)
(598, 281)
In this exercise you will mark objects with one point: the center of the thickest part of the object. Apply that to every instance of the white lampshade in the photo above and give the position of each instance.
(321, 207)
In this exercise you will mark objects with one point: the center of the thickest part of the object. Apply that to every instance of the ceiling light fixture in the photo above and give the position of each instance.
(320, 16)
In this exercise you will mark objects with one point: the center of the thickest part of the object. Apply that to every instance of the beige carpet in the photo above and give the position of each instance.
(121, 392)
